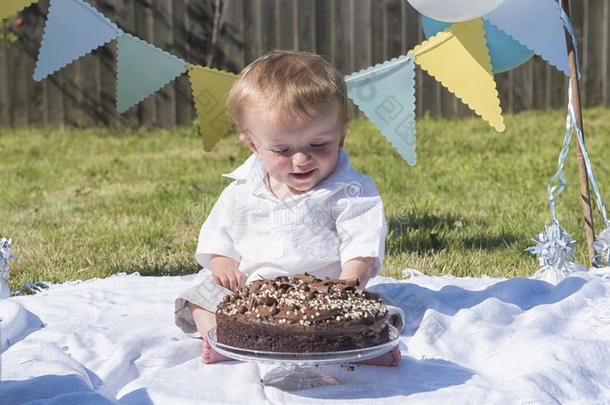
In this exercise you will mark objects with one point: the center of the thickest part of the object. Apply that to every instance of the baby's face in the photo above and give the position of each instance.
(298, 154)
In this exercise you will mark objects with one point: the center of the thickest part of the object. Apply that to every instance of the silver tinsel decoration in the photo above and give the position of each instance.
(5, 255)
(602, 247)
(554, 248)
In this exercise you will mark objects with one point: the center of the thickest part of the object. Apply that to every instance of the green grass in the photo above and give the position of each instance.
(89, 203)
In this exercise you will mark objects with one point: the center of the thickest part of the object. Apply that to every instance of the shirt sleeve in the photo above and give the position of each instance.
(215, 234)
(361, 223)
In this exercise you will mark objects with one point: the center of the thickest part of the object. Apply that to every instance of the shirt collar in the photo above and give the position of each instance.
(252, 168)
(252, 171)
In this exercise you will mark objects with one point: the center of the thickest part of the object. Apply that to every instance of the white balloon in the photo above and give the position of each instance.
(454, 10)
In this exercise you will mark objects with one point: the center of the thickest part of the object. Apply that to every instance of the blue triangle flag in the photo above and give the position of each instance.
(537, 25)
(73, 29)
(142, 69)
(385, 93)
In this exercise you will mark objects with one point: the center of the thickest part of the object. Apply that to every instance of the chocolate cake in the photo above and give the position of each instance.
(302, 314)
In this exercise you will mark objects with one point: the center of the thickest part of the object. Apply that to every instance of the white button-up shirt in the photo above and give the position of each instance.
(315, 232)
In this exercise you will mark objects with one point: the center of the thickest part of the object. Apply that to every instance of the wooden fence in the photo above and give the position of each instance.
(351, 34)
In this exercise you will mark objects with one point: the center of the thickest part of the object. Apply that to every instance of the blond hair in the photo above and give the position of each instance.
(291, 83)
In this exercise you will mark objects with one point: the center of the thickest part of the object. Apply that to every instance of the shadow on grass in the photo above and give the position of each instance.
(160, 269)
(487, 242)
(429, 233)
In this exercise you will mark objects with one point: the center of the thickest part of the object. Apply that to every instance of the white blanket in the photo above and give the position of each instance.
(467, 341)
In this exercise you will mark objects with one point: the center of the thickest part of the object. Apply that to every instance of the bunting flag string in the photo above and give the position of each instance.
(210, 90)
(73, 29)
(385, 93)
(11, 7)
(142, 69)
(458, 58)
(537, 25)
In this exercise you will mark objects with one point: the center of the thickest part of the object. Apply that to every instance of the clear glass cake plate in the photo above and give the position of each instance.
(295, 371)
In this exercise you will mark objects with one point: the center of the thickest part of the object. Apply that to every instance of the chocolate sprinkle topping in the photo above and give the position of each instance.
(304, 300)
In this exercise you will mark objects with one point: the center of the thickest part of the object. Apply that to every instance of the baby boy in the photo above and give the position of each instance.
(296, 204)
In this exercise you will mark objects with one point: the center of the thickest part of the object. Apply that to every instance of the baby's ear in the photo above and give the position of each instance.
(245, 138)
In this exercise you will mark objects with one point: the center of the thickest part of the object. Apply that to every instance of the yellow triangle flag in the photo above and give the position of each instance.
(210, 89)
(10, 7)
(459, 59)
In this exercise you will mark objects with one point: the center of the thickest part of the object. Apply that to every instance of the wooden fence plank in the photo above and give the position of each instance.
(502, 87)
(125, 19)
(605, 42)
(414, 19)
(428, 90)
(305, 25)
(376, 40)
(362, 34)
(593, 83)
(511, 89)
(163, 34)
(55, 104)
(548, 87)
(341, 27)
(107, 72)
(581, 15)
(559, 89)
(72, 96)
(540, 85)
(264, 28)
(516, 91)
(403, 28)
(5, 115)
(330, 31)
(89, 89)
(393, 27)
(144, 30)
(412, 25)
(283, 24)
(231, 40)
(16, 86)
(252, 23)
(528, 84)
(36, 91)
(183, 94)
(19, 77)
(359, 15)
(324, 41)
(89, 86)
(295, 23)
(351, 34)
(448, 103)
(199, 20)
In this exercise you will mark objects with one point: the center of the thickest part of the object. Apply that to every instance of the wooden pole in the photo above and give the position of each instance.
(584, 182)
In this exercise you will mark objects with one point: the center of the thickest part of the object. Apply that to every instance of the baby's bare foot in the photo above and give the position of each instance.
(389, 359)
(209, 355)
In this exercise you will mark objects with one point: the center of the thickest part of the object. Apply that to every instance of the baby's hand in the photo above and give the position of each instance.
(226, 273)
(228, 277)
